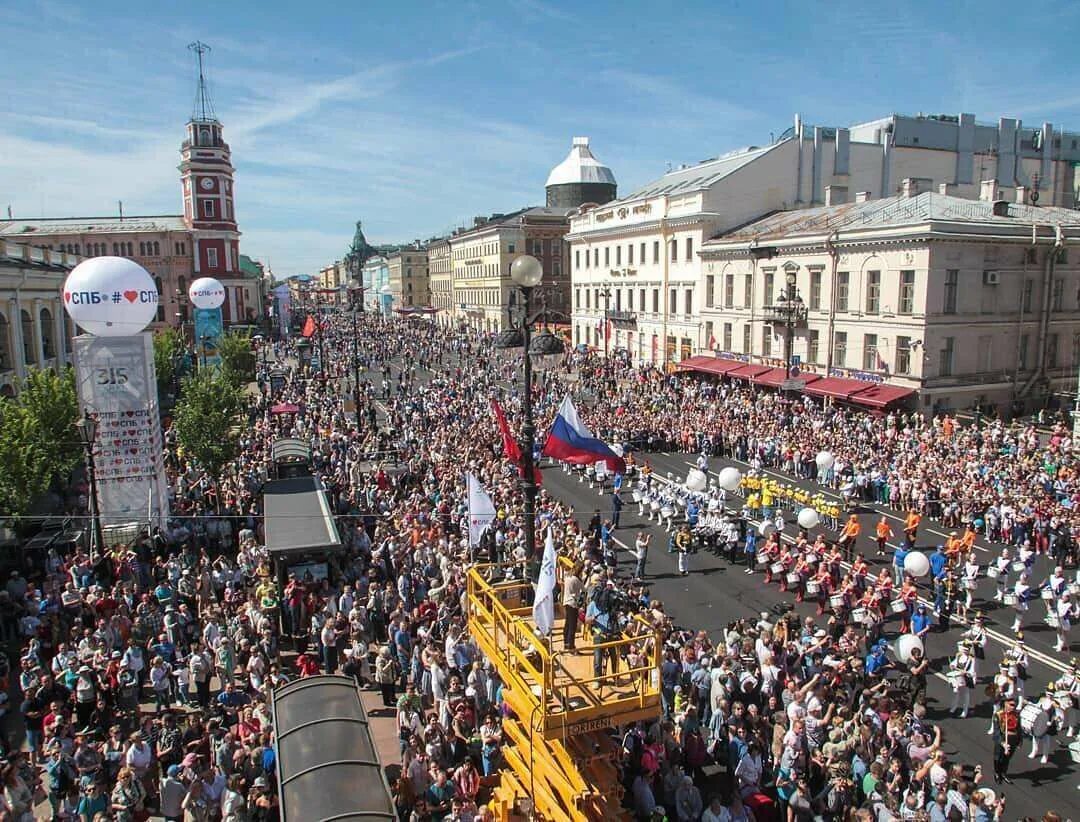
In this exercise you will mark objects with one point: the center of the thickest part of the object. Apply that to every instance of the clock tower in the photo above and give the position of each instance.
(206, 175)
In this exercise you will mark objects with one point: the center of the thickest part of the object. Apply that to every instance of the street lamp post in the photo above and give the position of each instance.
(87, 428)
(543, 351)
(790, 311)
(356, 369)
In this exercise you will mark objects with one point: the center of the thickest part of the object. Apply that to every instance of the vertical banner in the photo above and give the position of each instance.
(207, 334)
(117, 385)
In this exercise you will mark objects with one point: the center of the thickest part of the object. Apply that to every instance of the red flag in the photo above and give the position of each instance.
(511, 449)
(712, 342)
(309, 327)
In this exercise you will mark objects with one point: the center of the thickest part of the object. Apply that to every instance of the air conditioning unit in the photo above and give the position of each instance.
(991, 278)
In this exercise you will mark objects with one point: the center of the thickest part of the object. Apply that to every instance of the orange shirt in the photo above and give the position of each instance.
(884, 530)
(852, 528)
(968, 540)
(913, 520)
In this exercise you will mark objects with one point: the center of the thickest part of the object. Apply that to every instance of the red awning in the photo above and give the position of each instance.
(775, 376)
(749, 371)
(879, 395)
(838, 387)
(709, 365)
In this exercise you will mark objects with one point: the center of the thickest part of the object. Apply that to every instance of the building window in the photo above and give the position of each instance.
(27, 337)
(727, 336)
(641, 255)
(766, 340)
(48, 343)
(656, 252)
(629, 299)
(906, 303)
(869, 352)
(208, 208)
(142, 249)
(873, 292)
(770, 283)
(986, 348)
(618, 299)
(641, 298)
(1058, 296)
(656, 301)
(815, 290)
(843, 284)
(988, 297)
(710, 340)
(211, 258)
(952, 282)
(748, 290)
(674, 251)
(630, 254)
(903, 355)
(688, 301)
(1052, 351)
(577, 298)
(747, 334)
(116, 249)
(577, 259)
(945, 357)
(729, 290)
(689, 249)
(596, 257)
(840, 349)
(607, 256)
(710, 287)
(157, 248)
(813, 343)
(673, 301)
(618, 256)
(510, 248)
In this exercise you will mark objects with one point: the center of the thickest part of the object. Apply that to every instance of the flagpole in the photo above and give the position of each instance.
(528, 432)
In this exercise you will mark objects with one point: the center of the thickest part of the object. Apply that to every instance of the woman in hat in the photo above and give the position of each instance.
(128, 797)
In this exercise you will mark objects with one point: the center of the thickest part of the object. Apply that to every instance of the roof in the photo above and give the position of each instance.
(706, 363)
(298, 516)
(700, 176)
(890, 212)
(103, 225)
(24, 255)
(327, 764)
(580, 166)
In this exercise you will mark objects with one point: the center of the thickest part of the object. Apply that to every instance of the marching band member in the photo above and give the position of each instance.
(824, 587)
(1017, 658)
(976, 635)
(1020, 605)
(1040, 745)
(1001, 566)
(1007, 738)
(1067, 688)
(971, 577)
(963, 679)
(802, 568)
(1066, 614)
(910, 594)
(1003, 687)
(643, 498)
(884, 533)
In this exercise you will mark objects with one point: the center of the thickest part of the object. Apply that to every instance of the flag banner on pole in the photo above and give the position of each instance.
(570, 441)
(544, 604)
(309, 327)
(481, 510)
(511, 449)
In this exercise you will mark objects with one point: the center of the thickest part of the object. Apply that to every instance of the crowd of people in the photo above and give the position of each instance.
(146, 671)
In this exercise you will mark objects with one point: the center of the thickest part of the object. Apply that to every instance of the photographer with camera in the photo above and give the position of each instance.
(603, 621)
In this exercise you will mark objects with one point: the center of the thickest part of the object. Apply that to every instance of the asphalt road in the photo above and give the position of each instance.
(715, 594)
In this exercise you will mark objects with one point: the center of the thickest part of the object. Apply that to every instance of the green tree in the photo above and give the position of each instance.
(237, 358)
(38, 442)
(205, 419)
(169, 353)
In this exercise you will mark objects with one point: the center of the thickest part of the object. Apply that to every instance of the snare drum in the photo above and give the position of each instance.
(636, 495)
(1010, 600)
(1047, 594)
(992, 572)
(793, 578)
(811, 558)
(812, 587)
(1034, 720)
(1053, 620)
(667, 511)
(654, 505)
(1018, 566)
(777, 568)
(859, 615)
(956, 679)
(1064, 700)
(763, 559)
(836, 600)
(898, 606)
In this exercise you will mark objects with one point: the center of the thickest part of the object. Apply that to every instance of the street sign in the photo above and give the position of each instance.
(792, 385)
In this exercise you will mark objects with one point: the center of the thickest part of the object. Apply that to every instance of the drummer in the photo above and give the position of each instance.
(977, 636)
(963, 675)
(1067, 694)
(820, 585)
(1035, 719)
(1066, 614)
(1019, 600)
(1001, 567)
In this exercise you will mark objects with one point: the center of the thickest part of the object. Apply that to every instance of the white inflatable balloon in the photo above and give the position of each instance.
(696, 480)
(824, 460)
(766, 528)
(808, 518)
(916, 564)
(206, 292)
(730, 478)
(906, 644)
(110, 297)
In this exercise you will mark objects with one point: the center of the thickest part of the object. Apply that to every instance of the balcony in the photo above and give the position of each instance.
(786, 312)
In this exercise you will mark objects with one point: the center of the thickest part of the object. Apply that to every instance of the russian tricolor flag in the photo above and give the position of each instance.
(570, 441)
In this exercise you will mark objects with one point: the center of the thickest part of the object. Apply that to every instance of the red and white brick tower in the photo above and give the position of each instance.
(206, 174)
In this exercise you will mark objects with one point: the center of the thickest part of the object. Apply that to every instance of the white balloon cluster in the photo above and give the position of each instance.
(824, 460)
(916, 564)
(696, 480)
(730, 479)
(905, 645)
(808, 518)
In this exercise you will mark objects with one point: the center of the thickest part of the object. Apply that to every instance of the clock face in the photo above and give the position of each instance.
(206, 183)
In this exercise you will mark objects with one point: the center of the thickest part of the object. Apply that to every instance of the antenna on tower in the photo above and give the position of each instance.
(204, 107)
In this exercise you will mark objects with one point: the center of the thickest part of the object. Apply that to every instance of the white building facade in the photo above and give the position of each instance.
(638, 279)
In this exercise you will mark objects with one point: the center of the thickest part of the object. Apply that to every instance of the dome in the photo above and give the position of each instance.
(580, 166)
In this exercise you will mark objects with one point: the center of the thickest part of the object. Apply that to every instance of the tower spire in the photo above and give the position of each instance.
(204, 107)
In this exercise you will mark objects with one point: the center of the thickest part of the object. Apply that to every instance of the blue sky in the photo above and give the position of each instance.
(417, 116)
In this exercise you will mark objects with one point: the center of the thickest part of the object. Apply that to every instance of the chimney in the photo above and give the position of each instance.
(1021, 195)
(835, 195)
(862, 196)
(1000, 208)
(909, 187)
(988, 191)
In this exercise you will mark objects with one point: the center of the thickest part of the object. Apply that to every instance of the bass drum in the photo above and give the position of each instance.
(1034, 720)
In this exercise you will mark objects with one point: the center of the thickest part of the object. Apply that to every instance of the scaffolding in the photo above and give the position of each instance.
(561, 761)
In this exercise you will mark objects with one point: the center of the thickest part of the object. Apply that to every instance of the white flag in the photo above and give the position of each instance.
(481, 510)
(544, 604)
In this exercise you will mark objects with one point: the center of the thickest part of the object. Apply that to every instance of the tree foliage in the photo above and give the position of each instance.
(169, 352)
(237, 358)
(205, 419)
(38, 441)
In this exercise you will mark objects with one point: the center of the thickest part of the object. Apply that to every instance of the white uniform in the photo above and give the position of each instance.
(1040, 745)
(963, 681)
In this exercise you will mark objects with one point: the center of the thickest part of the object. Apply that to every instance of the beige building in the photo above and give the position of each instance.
(936, 301)
(408, 279)
(480, 264)
(638, 281)
(35, 331)
(441, 279)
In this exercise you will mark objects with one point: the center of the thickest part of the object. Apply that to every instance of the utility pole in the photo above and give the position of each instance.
(356, 370)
